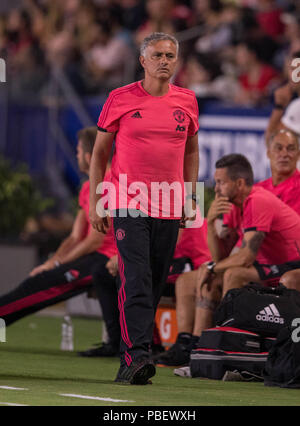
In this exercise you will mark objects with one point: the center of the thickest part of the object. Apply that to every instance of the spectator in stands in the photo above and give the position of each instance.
(163, 16)
(107, 56)
(257, 78)
(269, 17)
(69, 271)
(203, 75)
(284, 95)
(216, 32)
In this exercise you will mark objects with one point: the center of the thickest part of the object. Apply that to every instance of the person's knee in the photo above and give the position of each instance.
(291, 280)
(233, 278)
(185, 285)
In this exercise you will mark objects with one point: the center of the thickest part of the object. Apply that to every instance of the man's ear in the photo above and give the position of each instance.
(142, 61)
(88, 157)
(240, 182)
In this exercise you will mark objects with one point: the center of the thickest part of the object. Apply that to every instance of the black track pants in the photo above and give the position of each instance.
(146, 246)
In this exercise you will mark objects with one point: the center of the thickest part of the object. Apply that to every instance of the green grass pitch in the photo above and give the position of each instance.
(32, 363)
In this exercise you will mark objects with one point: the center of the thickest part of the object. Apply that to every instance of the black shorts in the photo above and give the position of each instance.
(273, 273)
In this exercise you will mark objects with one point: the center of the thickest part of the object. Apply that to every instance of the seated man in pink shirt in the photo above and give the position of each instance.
(283, 153)
(271, 237)
(71, 269)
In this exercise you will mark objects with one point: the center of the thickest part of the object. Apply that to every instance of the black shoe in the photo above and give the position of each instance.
(178, 354)
(105, 350)
(157, 350)
(138, 373)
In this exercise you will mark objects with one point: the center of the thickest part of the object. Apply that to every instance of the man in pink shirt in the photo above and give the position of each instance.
(70, 271)
(271, 236)
(154, 124)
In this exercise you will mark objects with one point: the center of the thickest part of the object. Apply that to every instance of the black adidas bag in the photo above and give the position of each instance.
(263, 310)
(234, 339)
(283, 363)
(224, 349)
(214, 363)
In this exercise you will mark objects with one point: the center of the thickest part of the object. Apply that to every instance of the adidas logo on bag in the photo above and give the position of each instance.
(270, 314)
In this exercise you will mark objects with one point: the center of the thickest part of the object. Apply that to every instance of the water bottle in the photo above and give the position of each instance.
(67, 335)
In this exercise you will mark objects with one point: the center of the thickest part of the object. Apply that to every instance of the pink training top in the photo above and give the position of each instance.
(108, 246)
(263, 211)
(151, 134)
(287, 191)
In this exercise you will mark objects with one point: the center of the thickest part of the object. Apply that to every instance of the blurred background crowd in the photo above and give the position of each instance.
(233, 50)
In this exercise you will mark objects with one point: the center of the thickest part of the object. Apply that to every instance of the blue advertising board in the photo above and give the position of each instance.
(226, 131)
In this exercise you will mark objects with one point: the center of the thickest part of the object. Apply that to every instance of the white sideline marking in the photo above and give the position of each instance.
(10, 404)
(97, 398)
(12, 388)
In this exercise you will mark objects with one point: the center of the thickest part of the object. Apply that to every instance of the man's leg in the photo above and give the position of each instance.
(179, 353)
(164, 234)
(106, 289)
(238, 277)
(48, 288)
(135, 286)
(291, 279)
(185, 291)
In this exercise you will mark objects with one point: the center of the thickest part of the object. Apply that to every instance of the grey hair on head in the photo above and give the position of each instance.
(154, 38)
(284, 132)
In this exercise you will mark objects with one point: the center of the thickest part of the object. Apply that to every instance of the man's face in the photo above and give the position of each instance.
(284, 153)
(160, 60)
(225, 187)
(81, 160)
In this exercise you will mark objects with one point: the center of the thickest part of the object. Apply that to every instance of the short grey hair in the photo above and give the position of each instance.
(154, 38)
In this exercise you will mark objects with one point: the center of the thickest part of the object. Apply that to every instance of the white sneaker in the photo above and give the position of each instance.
(182, 372)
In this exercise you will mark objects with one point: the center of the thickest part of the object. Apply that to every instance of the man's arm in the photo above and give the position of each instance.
(244, 258)
(88, 245)
(220, 245)
(78, 231)
(247, 254)
(101, 152)
(282, 97)
(190, 171)
(191, 161)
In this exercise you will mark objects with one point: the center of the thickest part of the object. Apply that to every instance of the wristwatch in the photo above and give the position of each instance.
(210, 266)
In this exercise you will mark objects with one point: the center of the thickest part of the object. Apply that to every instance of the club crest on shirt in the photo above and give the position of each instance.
(179, 116)
(120, 234)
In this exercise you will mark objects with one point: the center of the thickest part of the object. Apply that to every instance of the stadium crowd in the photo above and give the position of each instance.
(230, 50)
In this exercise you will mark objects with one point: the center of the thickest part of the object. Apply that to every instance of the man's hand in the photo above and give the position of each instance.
(219, 206)
(42, 268)
(100, 223)
(112, 266)
(188, 212)
(204, 277)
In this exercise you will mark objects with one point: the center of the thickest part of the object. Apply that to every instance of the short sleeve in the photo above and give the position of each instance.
(258, 215)
(194, 118)
(110, 115)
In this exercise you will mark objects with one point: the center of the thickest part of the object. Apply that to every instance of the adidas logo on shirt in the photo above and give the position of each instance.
(136, 115)
(270, 314)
